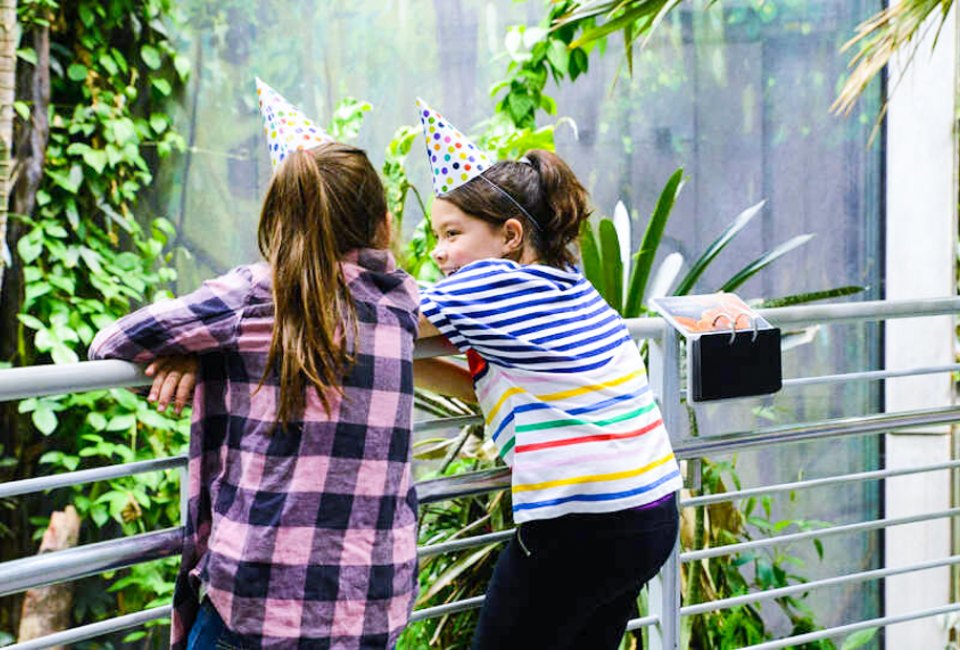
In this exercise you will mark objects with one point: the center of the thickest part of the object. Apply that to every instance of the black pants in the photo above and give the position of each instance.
(572, 582)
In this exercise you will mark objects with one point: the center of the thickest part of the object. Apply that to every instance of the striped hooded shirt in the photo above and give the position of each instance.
(302, 537)
(562, 386)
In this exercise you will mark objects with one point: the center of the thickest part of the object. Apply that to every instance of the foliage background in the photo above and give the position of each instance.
(737, 93)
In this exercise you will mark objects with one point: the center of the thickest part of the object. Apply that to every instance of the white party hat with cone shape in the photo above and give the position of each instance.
(285, 126)
(454, 160)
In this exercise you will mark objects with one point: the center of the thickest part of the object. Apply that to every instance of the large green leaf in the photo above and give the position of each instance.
(664, 10)
(590, 255)
(592, 8)
(664, 277)
(859, 639)
(763, 261)
(643, 258)
(612, 266)
(738, 224)
(644, 11)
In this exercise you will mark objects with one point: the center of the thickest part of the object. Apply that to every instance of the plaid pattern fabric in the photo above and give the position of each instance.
(303, 537)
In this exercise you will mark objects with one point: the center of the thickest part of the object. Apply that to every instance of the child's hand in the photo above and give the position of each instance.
(173, 378)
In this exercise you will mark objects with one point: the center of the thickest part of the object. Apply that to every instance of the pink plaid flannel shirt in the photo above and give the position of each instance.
(303, 537)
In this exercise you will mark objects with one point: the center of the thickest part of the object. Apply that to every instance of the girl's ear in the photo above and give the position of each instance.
(512, 231)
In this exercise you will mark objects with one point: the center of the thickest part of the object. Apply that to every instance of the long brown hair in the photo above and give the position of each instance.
(320, 204)
(547, 189)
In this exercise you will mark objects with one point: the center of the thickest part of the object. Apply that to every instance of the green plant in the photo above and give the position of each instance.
(454, 576)
(537, 53)
(880, 37)
(723, 577)
(604, 264)
(87, 255)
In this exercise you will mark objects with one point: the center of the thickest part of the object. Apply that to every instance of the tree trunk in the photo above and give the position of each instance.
(8, 79)
(30, 144)
(47, 610)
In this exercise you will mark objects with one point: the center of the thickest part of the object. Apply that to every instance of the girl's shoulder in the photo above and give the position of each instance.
(254, 280)
(373, 276)
(483, 275)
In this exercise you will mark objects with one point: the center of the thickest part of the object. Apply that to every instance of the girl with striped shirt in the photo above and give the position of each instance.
(564, 394)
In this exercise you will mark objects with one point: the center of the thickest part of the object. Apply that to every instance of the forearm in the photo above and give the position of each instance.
(444, 377)
(427, 329)
(199, 322)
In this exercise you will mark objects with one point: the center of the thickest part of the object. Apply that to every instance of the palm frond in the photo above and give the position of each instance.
(882, 36)
(763, 261)
(643, 259)
(714, 249)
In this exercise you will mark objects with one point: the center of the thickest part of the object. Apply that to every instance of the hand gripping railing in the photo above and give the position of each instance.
(664, 619)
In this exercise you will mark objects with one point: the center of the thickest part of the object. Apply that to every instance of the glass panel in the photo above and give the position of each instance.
(738, 94)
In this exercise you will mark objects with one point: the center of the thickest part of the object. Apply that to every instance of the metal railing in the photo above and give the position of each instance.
(665, 607)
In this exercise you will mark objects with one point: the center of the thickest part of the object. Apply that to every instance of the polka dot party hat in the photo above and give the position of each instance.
(287, 129)
(454, 159)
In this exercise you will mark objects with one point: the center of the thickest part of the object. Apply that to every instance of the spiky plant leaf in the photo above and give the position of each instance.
(763, 261)
(738, 224)
(590, 255)
(612, 267)
(643, 259)
(666, 275)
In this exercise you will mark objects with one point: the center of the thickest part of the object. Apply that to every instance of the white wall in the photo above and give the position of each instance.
(921, 237)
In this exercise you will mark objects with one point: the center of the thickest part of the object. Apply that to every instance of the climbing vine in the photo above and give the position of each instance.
(86, 253)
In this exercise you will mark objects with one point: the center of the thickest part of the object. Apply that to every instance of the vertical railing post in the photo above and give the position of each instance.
(184, 492)
(664, 596)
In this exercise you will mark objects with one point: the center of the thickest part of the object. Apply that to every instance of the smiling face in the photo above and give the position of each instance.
(462, 239)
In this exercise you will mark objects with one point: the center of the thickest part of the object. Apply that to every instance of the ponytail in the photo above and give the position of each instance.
(541, 191)
(566, 206)
(320, 204)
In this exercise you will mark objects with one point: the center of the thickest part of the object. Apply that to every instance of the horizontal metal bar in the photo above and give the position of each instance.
(497, 479)
(859, 425)
(33, 381)
(772, 594)
(78, 562)
(869, 375)
(449, 608)
(804, 315)
(43, 483)
(448, 487)
(645, 621)
(93, 630)
(730, 549)
(476, 602)
(646, 328)
(853, 627)
(707, 499)
(440, 424)
(89, 559)
(869, 310)
(465, 543)
(463, 485)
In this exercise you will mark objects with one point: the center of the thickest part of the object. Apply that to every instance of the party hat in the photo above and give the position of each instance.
(454, 159)
(286, 127)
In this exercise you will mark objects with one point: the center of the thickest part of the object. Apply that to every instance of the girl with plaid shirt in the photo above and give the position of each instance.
(301, 523)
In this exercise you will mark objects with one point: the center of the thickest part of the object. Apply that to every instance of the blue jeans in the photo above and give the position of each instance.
(571, 583)
(209, 632)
